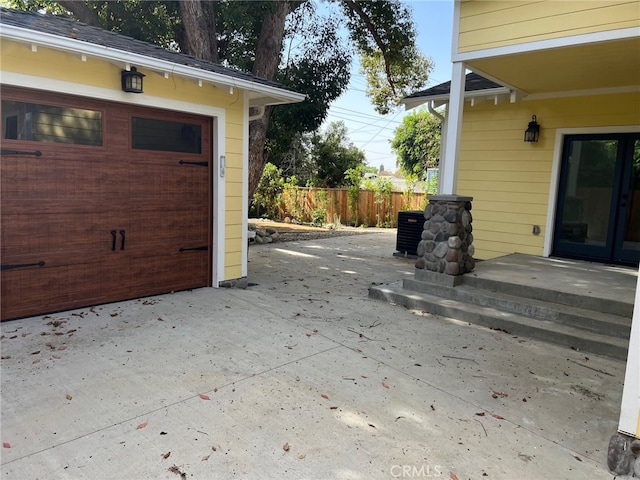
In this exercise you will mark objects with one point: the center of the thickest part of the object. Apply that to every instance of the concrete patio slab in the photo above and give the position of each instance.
(218, 381)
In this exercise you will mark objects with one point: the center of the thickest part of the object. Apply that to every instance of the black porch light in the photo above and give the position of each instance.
(132, 80)
(532, 133)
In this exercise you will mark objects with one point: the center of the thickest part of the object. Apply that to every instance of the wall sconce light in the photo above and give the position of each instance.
(132, 80)
(532, 133)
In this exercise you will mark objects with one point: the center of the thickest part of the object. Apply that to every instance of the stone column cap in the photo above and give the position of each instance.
(449, 198)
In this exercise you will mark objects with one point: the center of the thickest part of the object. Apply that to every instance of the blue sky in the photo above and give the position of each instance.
(371, 132)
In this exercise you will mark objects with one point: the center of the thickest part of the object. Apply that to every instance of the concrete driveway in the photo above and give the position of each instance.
(300, 376)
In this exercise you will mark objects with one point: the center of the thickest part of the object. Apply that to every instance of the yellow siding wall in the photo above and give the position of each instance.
(234, 213)
(510, 179)
(489, 24)
(47, 63)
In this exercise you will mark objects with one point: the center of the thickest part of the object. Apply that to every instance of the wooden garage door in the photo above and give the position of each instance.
(100, 202)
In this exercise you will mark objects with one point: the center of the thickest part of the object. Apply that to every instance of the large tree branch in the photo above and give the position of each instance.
(82, 11)
(200, 40)
(356, 9)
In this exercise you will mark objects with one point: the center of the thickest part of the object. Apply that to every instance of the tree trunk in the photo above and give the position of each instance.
(268, 53)
(199, 30)
(82, 11)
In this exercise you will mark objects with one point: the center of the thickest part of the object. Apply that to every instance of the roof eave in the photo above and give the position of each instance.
(442, 98)
(267, 95)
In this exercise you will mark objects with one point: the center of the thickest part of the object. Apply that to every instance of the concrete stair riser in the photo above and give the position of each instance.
(594, 321)
(510, 322)
(585, 301)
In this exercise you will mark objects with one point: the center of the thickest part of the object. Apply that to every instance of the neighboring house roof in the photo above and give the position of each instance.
(67, 34)
(475, 86)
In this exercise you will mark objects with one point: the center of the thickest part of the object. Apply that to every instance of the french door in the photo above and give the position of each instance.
(598, 210)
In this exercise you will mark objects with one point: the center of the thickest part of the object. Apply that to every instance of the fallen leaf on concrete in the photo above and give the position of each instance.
(68, 397)
(577, 458)
(495, 415)
(324, 396)
(333, 408)
(499, 394)
(62, 347)
(215, 389)
(58, 333)
(36, 352)
(205, 458)
(57, 357)
(385, 384)
(433, 408)
(286, 447)
(480, 414)
(177, 471)
(5, 357)
(524, 457)
(371, 425)
(114, 314)
(6, 445)
(71, 331)
(453, 476)
(214, 448)
(163, 433)
(301, 457)
(166, 455)
(142, 425)
(37, 360)
(204, 397)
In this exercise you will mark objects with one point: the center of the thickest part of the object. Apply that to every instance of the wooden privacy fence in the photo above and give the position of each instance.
(334, 205)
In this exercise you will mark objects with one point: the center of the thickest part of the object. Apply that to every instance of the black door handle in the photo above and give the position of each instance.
(113, 240)
(122, 242)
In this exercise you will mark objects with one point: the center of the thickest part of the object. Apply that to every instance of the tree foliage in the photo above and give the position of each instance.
(290, 41)
(333, 155)
(416, 142)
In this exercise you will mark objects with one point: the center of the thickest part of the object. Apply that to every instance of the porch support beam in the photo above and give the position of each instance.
(630, 408)
(449, 164)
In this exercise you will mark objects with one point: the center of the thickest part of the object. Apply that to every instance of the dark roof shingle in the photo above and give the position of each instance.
(69, 28)
(473, 82)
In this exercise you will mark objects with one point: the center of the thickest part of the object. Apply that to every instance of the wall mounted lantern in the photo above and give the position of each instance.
(132, 80)
(532, 133)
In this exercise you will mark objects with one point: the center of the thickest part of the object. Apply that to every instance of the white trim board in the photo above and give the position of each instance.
(560, 133)
(550, 44)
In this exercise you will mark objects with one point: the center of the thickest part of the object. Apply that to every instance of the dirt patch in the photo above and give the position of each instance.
(295, 232)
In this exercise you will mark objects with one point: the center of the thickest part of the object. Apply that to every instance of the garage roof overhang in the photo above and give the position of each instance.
(259, 93)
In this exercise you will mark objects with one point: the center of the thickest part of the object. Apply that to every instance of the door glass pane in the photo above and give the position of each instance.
(632, 225)
(49, 123)
(589, 184)
(153, 134)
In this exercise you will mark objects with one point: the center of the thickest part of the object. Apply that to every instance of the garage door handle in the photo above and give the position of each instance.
(11, 266)
(122, 242)
(113, 240)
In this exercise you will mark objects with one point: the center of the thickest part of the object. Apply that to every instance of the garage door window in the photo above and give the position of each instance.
(154, 134)
(49, 123)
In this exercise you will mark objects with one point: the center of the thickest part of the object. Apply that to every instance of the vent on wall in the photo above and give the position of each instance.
(410, 225)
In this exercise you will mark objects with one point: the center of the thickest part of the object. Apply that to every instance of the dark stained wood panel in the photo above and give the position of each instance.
(61, 208)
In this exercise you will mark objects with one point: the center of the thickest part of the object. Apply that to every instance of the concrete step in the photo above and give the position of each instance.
(513, 323)
(588, 301)
(591, 320)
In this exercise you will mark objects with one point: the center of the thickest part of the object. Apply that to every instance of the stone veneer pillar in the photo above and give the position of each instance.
(446, 244)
